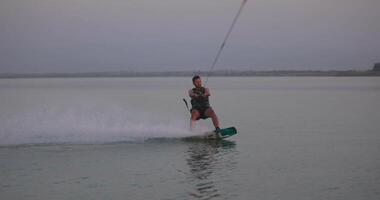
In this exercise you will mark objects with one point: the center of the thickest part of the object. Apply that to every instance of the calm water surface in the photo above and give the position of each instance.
(120, 138)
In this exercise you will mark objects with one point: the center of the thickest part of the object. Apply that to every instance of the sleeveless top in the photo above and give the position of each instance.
(200, 102)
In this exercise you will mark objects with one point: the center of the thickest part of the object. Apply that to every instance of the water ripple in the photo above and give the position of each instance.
(207, 162)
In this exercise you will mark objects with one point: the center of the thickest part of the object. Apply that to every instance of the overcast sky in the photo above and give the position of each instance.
(152, 35)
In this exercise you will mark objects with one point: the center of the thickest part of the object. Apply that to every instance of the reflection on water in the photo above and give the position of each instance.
(207, 161)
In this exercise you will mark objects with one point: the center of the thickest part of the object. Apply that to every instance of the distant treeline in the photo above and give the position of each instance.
(191, 73)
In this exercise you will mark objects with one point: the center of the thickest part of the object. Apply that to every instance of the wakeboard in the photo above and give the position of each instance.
(221, 134)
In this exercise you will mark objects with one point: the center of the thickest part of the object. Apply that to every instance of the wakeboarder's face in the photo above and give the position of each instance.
(197, 82)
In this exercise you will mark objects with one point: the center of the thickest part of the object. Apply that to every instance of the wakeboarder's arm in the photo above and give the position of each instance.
(192, 94)
(207, 93)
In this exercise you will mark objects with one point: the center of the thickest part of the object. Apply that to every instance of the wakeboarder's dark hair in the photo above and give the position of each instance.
(196, 77)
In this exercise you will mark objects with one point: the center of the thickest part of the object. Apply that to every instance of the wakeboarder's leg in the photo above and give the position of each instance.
(194, 117)
(210, 113)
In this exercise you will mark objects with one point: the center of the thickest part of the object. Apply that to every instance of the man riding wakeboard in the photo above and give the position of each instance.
(201, 108)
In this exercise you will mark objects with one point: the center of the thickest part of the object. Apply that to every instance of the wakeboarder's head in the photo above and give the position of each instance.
(197, 81)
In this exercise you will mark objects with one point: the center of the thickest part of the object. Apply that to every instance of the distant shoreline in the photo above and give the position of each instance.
(219, 73)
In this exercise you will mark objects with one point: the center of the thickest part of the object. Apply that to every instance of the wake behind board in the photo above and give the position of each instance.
(211, 135)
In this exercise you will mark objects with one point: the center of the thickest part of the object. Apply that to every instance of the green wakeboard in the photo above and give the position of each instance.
(212, 135)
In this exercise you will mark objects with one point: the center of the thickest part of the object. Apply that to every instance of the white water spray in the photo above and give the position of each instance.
(87, 124)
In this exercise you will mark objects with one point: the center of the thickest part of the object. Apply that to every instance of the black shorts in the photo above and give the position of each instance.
(202, 112)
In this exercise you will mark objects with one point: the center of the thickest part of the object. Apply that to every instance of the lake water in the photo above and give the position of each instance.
(120, 138)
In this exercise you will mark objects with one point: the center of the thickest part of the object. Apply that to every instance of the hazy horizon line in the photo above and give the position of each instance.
(179, 73)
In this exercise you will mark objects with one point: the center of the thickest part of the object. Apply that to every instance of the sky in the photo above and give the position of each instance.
(55, 36)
